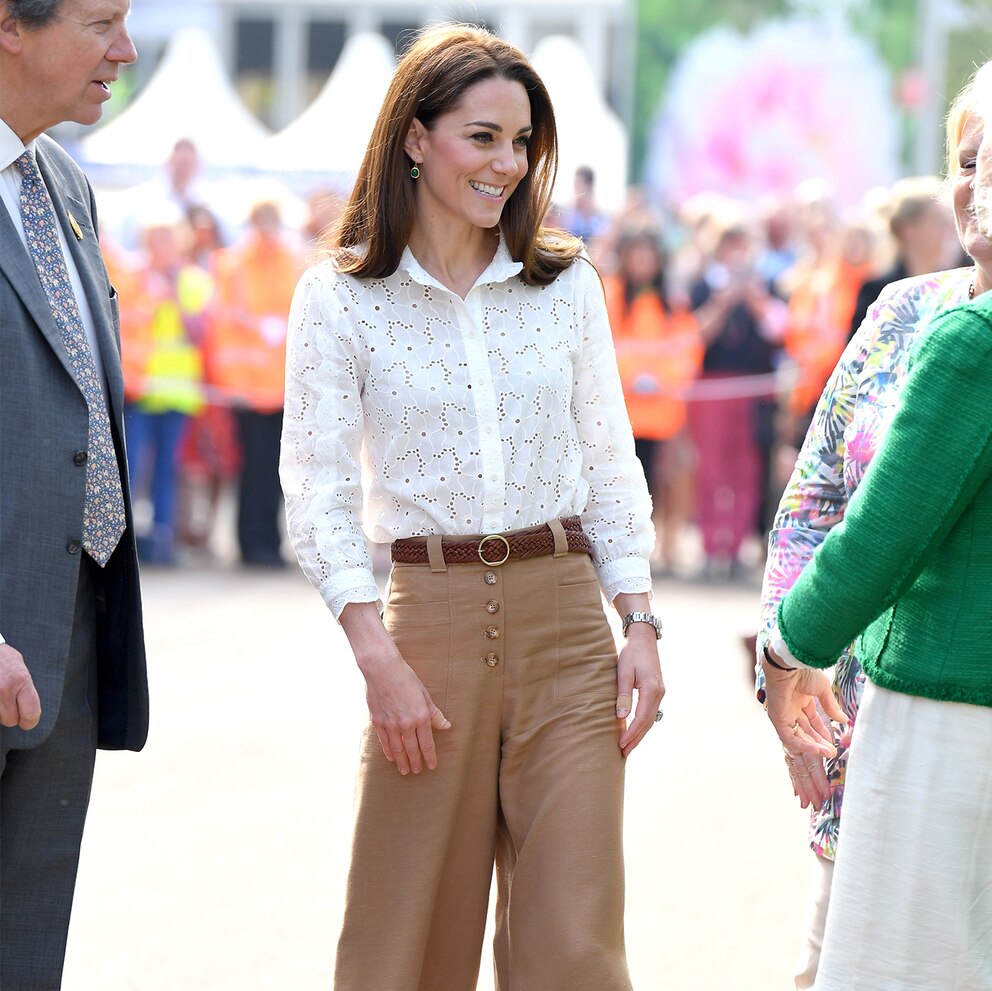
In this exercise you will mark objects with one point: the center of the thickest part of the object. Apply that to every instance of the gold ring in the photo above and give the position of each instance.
(795, 726)
(506, 544)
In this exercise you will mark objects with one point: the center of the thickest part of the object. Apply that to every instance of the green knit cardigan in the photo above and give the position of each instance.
(910, 565)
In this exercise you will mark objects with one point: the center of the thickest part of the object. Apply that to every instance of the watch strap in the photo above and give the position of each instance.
(642, 617)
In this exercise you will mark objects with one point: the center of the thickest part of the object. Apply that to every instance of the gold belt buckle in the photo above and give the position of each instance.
(506, 544)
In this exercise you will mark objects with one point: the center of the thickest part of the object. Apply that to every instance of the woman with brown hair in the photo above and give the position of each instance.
(461, 355)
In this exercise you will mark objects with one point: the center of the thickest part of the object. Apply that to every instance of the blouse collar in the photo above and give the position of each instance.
(500, 269)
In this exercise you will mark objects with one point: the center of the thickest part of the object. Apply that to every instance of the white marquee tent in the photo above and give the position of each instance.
(589, 132)
(188, 96)
(329, 138)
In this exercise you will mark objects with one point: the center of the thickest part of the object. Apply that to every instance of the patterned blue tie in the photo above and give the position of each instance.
(103, 515)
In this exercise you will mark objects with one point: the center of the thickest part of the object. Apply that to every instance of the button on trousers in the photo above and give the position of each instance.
(522, 661)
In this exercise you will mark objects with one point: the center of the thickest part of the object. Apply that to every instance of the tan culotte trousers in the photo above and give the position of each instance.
(521, 660)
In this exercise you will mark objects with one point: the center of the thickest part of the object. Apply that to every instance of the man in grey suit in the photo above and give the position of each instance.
(72, 659)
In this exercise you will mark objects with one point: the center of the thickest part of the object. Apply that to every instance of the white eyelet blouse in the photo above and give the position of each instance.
(456, 416)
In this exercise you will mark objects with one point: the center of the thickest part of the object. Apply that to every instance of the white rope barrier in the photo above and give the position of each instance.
(767, 385)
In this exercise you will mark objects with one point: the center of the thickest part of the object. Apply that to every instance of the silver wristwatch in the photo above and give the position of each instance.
(642, 617)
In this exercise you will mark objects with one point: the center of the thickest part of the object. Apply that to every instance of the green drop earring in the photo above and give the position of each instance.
(415, 171)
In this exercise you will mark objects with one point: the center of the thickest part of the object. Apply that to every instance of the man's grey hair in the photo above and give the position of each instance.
(33, 13)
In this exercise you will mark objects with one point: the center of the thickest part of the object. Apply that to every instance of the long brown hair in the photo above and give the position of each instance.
(429, 80)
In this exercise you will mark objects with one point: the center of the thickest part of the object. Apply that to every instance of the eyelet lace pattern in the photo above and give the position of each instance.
(455, 416)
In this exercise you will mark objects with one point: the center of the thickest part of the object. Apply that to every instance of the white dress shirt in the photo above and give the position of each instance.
(491, 413)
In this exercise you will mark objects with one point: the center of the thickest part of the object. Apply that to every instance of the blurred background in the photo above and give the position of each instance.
(637, 55)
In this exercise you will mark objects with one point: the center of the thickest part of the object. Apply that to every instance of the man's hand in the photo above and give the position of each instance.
(19, 702)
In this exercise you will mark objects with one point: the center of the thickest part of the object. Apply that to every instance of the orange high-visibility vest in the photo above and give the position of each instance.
(124, 274)
(246, 336)
(659, 355)
(820, 310)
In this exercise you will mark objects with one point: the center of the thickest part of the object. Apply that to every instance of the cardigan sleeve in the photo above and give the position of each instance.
(936, 455)
(815, 498)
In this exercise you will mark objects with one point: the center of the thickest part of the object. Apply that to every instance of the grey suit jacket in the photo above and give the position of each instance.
(43, 424)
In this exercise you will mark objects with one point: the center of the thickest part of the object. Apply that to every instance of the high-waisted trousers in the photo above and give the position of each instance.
(521, 659)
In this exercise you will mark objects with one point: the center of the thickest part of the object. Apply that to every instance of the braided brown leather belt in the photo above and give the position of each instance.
(495, 549)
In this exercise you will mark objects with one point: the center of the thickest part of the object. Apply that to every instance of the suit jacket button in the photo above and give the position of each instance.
(74, 546)
(79, 458)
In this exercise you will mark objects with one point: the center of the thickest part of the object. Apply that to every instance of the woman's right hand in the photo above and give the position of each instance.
(791, 697)
(403, 714)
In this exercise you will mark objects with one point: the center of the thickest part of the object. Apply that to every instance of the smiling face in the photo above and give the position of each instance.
(983, 188)
(63, 69)
(473, 156)
(977, 244)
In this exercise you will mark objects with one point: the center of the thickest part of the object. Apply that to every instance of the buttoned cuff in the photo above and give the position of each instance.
(628, 574)
(352, 585)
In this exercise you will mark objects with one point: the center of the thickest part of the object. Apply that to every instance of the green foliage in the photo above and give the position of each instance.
(893, 26)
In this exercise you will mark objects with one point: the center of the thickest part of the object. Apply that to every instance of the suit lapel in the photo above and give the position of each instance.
(84, 247)
(19, 268)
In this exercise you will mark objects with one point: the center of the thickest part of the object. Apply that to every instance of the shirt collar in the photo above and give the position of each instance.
(11, 146)
(500, 269)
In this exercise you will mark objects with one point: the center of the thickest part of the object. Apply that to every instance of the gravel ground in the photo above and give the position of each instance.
(216, 858)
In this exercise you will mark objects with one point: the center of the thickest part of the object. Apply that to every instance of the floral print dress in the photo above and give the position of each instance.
(848, 425)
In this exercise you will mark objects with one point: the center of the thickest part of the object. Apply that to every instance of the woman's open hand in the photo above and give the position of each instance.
(403, 714)
(791, 698)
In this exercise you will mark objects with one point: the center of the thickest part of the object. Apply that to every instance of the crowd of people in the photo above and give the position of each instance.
(203, 330)
(727, 319)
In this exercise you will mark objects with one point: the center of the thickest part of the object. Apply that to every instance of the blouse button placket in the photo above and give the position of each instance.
(486, 408)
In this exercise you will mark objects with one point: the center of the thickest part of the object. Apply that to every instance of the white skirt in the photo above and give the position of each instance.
(911, 905)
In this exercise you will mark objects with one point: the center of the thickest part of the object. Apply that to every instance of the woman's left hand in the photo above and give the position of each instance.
(810, 783)
(639, 668)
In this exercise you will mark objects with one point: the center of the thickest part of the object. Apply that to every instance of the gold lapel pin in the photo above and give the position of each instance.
(75, 227)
